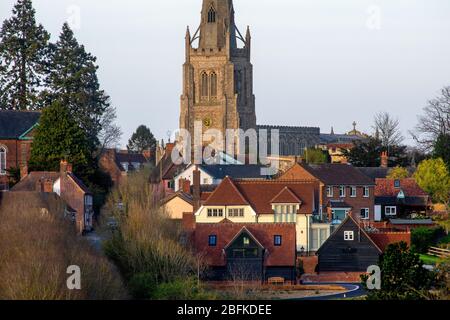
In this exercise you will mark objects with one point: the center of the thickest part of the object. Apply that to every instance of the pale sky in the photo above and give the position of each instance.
(316, 62)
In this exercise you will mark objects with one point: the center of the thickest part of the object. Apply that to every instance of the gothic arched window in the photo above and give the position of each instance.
(211, 15)
(204, 86)
(213, 84)
(2, 161)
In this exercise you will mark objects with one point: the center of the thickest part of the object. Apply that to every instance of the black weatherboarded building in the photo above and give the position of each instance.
(348, 249)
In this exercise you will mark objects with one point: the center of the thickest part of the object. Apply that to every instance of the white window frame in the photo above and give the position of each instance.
(367, 215)
(342, 192)
(349, 235)
(3, 156)
(353, 192)
(390, 208)
(330, 191)
(366, 192)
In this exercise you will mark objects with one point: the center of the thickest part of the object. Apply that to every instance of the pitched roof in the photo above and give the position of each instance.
(374, 172)
(29, 182)
(226, 194)
(286, 196)
(283, 255)
(234, 171)
(259, 193)
(13, 124)
(348, 219)
(383, 239)
(338, 174)
(386, 188)
(180, 194)
(130, 157)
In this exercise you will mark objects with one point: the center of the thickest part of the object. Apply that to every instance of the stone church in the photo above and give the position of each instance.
(218, 81)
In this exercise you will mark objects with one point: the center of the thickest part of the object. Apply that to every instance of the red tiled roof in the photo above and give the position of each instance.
(383, 239)
(260, 193)
(286, 196)
(283, 255)
(386, 188)
(226, 194)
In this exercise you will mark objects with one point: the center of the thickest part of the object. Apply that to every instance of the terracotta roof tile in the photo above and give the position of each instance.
(383, 239)
(286, 196)
(226, 194)
(283, 255)
(386, 188)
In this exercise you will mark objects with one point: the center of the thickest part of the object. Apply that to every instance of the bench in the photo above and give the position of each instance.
(276, 281)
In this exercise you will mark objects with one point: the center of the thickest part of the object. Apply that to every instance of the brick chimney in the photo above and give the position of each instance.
(196, 191)
(48, 186)
(65, 167)
(23, 172)
(384, 159)
(44, 185)
(186, 187)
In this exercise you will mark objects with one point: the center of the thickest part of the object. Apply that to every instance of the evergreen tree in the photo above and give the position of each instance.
(367, 153)
(24, 52)
(402, 275)
(59, 137)
(433, 176)
(142, 140)
(442, 148)
(73, 81)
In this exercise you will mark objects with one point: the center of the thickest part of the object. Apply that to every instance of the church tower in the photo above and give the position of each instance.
(218, 74)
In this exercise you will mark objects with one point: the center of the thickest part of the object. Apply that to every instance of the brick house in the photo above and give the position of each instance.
(247, 251)
(68, 187)
(401, 199)
(341, 189)
(16, 137)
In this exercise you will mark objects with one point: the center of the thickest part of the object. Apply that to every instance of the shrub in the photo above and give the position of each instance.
(423, 238)
(38, 244)
(142, 286)
(182, 289)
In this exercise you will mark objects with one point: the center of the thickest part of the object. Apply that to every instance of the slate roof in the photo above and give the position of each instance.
(168, 169)
(264, 233)
(259, 193)
(13, 124)
(374, 172)
(130, 158)
(338, 174)
(234, 171)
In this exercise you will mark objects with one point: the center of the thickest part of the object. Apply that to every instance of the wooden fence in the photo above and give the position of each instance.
(438, 252)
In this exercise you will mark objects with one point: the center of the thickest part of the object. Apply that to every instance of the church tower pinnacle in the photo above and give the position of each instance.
(217, 73)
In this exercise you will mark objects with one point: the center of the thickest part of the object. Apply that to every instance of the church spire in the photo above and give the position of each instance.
(217, 26)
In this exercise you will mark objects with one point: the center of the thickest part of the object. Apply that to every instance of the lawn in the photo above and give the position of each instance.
(429, 260)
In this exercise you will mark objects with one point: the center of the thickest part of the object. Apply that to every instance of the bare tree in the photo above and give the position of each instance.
(435, 120)
(111, 133)
(388, 129)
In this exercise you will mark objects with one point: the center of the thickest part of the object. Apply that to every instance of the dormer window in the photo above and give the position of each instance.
(397, 184)
(211, 15)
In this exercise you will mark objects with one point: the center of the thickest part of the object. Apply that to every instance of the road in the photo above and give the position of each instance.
(353, 290)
